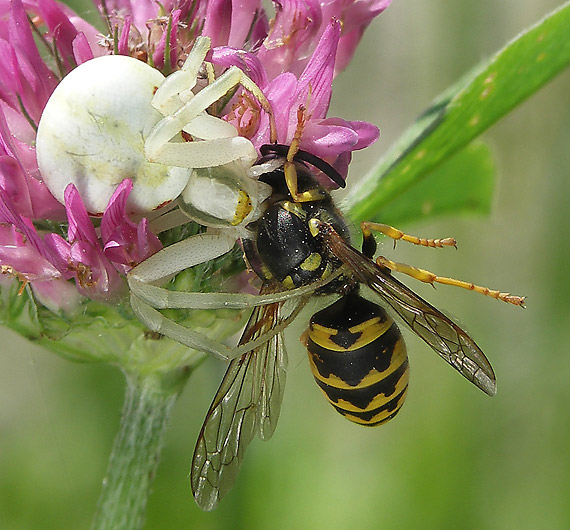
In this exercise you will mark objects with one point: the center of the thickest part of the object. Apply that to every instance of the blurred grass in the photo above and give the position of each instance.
(453, 458)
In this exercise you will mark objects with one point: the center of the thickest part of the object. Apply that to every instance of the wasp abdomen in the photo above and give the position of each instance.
(359, 359)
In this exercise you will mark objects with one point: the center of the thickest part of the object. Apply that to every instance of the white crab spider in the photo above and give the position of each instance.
(115, 117)
(107, 121)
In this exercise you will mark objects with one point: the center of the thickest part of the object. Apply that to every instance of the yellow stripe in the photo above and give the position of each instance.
(378, 400)
(312, 263)
(371, 330)
(399, 355)
(381, 417)
(328, 271)
(243, 208)
(295, 209)
(287, 283)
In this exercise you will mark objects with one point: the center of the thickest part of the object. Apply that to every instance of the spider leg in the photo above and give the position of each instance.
(171, 125)
(177, 87)
(161, 298)
(183, 255)
(157, 322)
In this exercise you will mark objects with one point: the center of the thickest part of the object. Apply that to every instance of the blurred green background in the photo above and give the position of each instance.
(453, 458)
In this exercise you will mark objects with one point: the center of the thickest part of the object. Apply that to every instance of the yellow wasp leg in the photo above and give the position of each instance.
(367, 227)
(289, 165)
(429, 277)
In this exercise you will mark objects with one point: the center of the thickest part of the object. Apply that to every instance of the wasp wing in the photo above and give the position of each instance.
(437, 330)
(247, 403)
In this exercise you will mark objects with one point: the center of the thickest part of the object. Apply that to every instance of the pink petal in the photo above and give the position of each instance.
(115, 213)
(124, 242)
(291, 36)
(57, 295)
(23, 257)
(368, 133)
(355, 16)
(80, 225)
(123, 44)
(63, 31)
(315, 83)
(60, 254)
(247, 62)
(243, 15)
(328, 139)
(217, 21)
(158, 56)
(29, 69)
(18, 168)
(103, 281)
(229, 23)
(9, 215)
(141, 12)
(81, 49)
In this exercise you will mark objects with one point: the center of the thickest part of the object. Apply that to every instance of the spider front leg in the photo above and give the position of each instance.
(181, 256)
(218, 142)
(189, 253)
(214, 141)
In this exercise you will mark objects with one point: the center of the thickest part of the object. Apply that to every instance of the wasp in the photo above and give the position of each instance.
(301, 245)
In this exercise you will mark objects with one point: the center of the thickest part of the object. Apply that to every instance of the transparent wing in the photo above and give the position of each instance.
(443, 335)
(247, 403)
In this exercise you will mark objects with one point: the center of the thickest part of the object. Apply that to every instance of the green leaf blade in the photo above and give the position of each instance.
(465, 110)
(443, 193)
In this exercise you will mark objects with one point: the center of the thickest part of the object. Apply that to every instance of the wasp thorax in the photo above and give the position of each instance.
(92, 134)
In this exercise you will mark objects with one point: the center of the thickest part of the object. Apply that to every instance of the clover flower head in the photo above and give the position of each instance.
(292, 57)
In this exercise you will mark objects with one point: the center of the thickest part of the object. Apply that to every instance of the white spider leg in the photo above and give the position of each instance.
(157, 322)
(171, 125)
(183, 255)
(177, 87)
(207, 127)
(161, 298)
(168, 220)
(206, 154)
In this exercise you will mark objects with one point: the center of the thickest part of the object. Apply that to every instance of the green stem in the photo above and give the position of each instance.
(135, 454)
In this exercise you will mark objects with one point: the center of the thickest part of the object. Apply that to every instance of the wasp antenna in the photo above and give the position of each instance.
(322, 165)
(305, 156)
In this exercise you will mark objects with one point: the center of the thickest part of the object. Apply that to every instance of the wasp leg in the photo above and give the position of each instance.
(429, 277)
(291, 180)
(367, 227)
(289, 165)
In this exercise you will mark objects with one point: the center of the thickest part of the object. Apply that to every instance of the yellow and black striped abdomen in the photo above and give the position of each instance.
(358, 358)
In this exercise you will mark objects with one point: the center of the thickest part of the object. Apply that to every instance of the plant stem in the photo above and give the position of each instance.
(135, 454)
